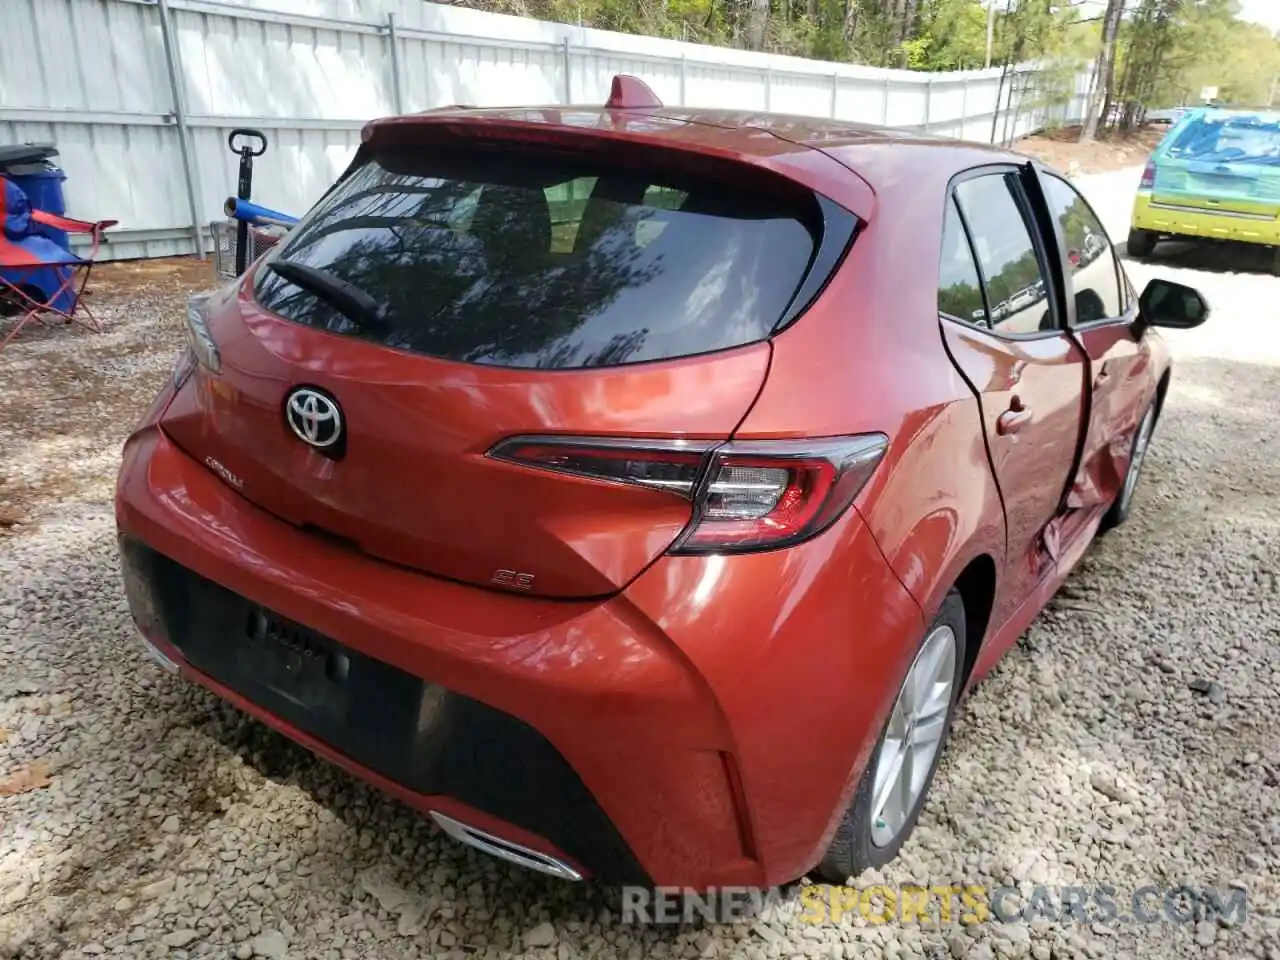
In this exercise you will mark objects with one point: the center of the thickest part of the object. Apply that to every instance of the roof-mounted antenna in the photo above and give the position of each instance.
(630, 93)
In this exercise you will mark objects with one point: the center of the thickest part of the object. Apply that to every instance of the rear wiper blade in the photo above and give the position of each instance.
(350, 300)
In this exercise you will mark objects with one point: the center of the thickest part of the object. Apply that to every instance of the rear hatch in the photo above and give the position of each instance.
(1228, 164)
(447, 296)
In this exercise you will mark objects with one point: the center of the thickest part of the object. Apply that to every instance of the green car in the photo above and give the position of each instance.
(1216, 176)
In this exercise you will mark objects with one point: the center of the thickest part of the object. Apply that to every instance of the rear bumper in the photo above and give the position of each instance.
(424, 738)
(705, 727)
(1177, 220)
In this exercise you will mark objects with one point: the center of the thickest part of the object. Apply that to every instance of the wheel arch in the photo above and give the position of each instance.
(1162, 390)
(976, 585)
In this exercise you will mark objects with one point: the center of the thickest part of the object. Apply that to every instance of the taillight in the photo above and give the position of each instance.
(747, 495)
(669, 465)
(765, 494)
(1148, 176)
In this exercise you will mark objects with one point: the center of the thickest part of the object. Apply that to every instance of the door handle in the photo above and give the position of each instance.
(1013, 419)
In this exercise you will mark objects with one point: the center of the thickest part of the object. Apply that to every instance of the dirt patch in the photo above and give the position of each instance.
(69, 395)
(1111, 151)
(182, 275)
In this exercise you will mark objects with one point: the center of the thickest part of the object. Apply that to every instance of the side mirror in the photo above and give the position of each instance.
(1167, 304)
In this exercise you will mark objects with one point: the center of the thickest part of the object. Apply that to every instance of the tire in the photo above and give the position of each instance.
(866, 840)
(1141, 243)
(1123, 503)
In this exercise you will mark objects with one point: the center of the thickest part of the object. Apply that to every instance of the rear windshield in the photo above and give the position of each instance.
(1250, 140)
(527, 259)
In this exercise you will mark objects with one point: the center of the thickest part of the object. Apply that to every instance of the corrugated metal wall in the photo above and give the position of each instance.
(93, 76)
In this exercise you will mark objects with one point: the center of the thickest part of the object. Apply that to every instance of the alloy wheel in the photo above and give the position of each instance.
(914, 736)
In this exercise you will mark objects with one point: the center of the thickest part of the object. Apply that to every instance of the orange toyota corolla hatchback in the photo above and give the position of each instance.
(637, 489)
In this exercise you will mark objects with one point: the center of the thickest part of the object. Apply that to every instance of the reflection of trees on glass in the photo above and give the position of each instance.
(1097, 290)
(959, 288)
(1083, 235)
(1076, 225)
(1001, 238)
(1015, 277)
(961, 301)
(543, 267)
(493, 298)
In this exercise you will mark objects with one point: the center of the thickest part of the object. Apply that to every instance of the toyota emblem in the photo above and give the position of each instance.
(314, 417)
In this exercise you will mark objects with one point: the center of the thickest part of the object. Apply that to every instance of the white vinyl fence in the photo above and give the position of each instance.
(140, 95)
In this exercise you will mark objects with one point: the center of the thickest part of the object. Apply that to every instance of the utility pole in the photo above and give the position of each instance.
(991, 28)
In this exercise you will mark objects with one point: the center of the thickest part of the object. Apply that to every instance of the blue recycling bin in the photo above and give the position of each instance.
(31, 168)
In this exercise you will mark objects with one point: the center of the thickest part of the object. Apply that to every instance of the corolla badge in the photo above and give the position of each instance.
(217, 467)
(314, 417)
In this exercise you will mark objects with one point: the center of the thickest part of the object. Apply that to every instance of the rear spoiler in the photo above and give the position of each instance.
(625, 93)
(817, 172)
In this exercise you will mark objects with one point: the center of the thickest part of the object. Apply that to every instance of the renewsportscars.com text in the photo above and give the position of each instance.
(942, 904)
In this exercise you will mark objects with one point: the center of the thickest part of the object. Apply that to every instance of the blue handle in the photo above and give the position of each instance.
(253, 213)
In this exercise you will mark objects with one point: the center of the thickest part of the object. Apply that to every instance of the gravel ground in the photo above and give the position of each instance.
(1132, 737)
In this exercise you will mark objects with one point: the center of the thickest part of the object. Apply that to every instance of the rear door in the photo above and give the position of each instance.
(445, 299)
(1004, 329)
(1103, 324)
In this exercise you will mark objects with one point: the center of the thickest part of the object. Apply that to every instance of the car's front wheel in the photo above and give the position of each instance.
(893, 788)
(1141, 243)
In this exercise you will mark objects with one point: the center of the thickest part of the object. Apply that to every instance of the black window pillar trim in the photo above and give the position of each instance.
(837, 230)
(1050, 247)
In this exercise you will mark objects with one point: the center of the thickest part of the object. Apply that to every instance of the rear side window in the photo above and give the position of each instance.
(1015, 279)
(538, 259)
(959, 286)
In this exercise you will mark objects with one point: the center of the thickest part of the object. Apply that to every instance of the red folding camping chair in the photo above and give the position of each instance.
(38, 278)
